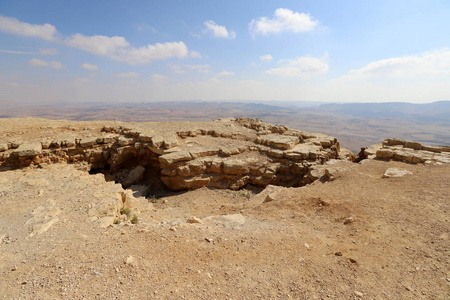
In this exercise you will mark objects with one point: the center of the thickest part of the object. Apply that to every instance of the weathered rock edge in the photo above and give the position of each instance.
(408, 152)
(258, 153)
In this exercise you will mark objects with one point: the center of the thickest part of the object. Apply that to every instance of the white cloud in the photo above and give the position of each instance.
(178, 69)
(81, 81)
(89, 67)
(17, 52)
(116, 47)
(195, 54)
(218, 30)
(149, 53)
(265, 57)
(159, 79)
(196, 35)
(56, 64)
(284, 20)
(48, 51)
(14, 26)
(225, 73)
(197, 67)
(206, 71)
(128, 75)
(97, 44)
(304, 67)
(145, 27)
(35, 62)
(425, 64)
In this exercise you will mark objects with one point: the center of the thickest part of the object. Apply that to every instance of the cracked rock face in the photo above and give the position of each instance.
(227, 153)
(409, 152)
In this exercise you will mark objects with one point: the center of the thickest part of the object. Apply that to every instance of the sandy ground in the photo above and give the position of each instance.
(395, 244)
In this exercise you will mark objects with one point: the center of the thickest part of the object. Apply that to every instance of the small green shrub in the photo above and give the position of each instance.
(135, 220)
(125, 211)
(116, 221)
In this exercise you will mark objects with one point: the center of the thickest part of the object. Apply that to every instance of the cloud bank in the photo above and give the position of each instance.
(284, 20)
(115, 47)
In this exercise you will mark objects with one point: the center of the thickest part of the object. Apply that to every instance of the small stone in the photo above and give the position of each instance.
(338, 253)
(349, 220)
(306, 246)
(193, 220)
(209, 240)
(358, 294)
(131, 261)
(352, 260)
(395, 173)
(14, 268)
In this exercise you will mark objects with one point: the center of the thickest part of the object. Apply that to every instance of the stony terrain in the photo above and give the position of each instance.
(271, 212)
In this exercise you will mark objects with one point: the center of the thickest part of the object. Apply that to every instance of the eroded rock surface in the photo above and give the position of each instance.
(409, 152)
(227, 153)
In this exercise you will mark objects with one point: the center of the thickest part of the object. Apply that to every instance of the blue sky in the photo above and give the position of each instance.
(119, 51)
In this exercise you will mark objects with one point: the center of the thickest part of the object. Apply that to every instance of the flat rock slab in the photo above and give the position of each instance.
(279, 141)
(395, 173)
(26, 150)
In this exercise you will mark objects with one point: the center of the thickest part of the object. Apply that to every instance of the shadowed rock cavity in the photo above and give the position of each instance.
(227, 153)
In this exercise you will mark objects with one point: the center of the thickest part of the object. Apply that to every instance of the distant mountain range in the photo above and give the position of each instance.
(355, 124)
(431, 112)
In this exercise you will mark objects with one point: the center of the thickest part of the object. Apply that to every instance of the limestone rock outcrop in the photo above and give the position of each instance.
(226, 153)
(409, 152)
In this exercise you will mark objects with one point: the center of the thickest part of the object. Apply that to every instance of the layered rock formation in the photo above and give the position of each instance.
(228, 153)
(409, 152)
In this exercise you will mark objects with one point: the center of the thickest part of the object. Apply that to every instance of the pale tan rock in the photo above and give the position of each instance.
(202, 152)
(413, 145)
(279, 141)
(393, 142)
(385, 153)
(157, 141)
(105, 221)
(395, 173)
(228, 151)
(435, 149)
(171, 158)
(123, 141)
(3, 147)
(131, 261)
(88, 142)
(235, 166)
(26, 150)
(134, 176)
(194, 220)
(170, 141)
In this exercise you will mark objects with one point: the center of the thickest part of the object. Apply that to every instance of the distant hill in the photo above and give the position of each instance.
(356, 125)
(431, 112)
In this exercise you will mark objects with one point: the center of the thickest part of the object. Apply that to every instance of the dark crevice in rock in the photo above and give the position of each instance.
(233, 155)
